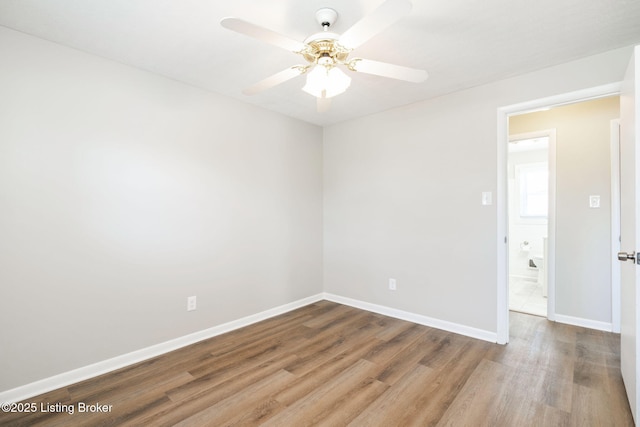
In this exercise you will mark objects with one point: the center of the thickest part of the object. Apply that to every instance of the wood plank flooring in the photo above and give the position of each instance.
(332, 365)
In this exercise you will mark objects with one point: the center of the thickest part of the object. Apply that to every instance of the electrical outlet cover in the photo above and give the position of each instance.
(191, 303)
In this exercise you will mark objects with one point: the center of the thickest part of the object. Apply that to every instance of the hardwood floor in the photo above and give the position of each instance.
(333, 365)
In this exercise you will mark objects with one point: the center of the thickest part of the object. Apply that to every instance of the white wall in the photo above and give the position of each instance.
(122, 193)
(402, 195)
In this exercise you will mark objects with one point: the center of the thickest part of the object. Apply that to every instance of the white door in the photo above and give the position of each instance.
(630, 230)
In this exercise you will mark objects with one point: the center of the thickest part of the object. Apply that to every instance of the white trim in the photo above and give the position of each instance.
(615, 224)
(585, 323)
(527, 278)
(503, 114)
(415, 318)
(502, 274)
(582, 95)
(551, 229)
(99, 368)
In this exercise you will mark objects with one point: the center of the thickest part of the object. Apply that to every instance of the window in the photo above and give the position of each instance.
(534, 190)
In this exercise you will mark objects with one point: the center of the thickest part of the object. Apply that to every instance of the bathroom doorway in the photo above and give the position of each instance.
(530, 184)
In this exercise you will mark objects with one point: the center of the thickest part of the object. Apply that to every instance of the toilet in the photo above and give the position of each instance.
(539, 259)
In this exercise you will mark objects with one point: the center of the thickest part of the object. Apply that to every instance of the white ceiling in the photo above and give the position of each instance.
(461, 43)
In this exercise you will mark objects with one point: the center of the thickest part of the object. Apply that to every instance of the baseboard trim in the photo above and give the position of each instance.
(533, 278)
(71, 377)
(585, 323)
(416, 318)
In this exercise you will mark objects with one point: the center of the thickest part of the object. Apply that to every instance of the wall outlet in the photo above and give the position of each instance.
(594, 202)
(191, 303)
(392, 284)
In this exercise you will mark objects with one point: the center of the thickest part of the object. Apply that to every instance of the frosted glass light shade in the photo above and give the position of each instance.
(331, 80)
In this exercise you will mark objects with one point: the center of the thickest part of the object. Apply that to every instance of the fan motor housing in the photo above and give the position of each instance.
(324, 48)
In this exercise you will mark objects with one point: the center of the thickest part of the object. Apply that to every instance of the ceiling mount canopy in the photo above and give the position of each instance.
(326, 17)
(326, 52)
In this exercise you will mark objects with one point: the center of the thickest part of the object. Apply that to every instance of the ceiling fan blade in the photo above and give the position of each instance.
(323, 104)
(263, 34)
(275, 79)
(386, 14)
(388, 70)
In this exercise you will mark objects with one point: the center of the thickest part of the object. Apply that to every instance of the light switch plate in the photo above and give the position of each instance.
(594, 201)
(487, 198)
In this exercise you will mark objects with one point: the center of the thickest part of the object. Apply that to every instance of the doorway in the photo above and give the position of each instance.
(580, 309)
(531, 205)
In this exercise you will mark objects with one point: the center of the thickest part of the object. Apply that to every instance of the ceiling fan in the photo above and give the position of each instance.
(327, 52)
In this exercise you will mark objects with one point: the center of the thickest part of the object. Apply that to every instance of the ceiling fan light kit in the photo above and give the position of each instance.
(326, 82)
(325, 51)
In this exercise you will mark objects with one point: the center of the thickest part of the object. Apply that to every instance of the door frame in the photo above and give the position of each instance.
(503, 113)
(616, 232)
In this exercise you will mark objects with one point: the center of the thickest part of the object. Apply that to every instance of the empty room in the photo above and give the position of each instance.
(307, 213)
